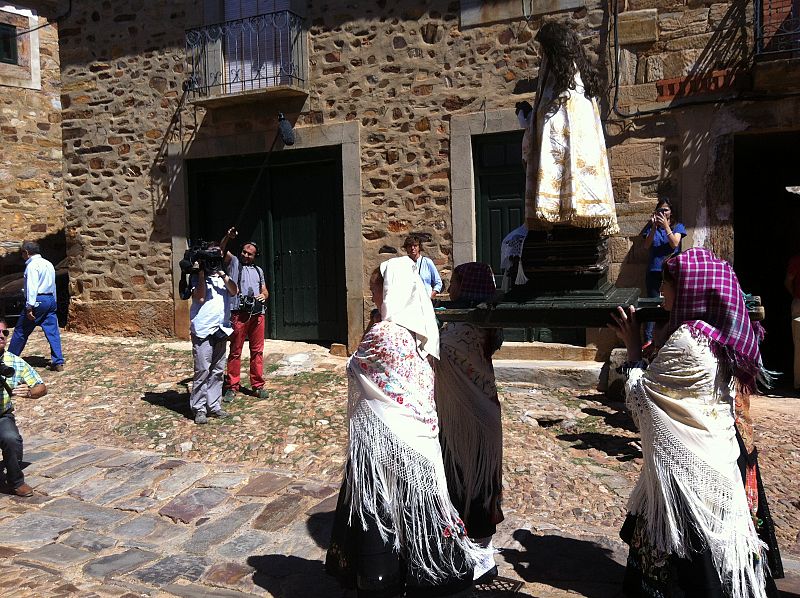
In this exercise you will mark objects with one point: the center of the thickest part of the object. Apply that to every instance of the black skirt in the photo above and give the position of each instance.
(650, 574)
(361, 559)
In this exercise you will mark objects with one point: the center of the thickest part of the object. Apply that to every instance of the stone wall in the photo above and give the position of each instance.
(402, 73)
(31, 206)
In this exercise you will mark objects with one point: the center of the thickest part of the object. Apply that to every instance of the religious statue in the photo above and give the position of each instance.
(567, 179)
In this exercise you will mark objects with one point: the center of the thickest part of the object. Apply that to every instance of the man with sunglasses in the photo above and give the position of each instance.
(23, 382)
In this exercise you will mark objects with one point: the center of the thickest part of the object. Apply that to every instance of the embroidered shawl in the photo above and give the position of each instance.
(683, 407)
(469, 411)
(395, 468)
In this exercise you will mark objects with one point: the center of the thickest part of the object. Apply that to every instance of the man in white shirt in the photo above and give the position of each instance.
(210, 327)
(40, 305)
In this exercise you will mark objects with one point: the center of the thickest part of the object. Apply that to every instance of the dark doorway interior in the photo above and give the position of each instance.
(296, 218)
(767, 233)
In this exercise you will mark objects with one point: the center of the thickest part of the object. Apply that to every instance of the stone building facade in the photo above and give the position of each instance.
(403, 94)
(31, 204)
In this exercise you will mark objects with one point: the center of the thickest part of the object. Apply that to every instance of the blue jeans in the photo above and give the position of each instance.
(652, 281)
(11, 445)
(44, 316)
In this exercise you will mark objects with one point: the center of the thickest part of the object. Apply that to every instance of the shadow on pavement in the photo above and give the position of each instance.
(622, 448)
(567, 563)
(37, 361)
(172, 400)
(290, 576)
(319, 526)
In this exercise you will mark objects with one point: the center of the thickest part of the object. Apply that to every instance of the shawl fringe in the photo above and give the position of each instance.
(677, 491)
(406, 494)
(469, 437)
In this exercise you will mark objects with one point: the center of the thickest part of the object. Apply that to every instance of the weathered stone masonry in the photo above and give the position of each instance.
(31, 204)
(402, 74)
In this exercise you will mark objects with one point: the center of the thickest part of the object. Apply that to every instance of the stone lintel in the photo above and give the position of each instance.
(477, 12)
(638, 26)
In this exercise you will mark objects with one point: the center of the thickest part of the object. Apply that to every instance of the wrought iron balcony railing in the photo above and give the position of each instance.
(777, 28)
(254, 53)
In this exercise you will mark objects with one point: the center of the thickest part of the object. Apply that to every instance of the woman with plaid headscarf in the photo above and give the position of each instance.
(691, 530)
(469, 412)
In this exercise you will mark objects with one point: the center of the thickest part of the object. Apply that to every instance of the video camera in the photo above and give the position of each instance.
(207, 256)
(201, 255)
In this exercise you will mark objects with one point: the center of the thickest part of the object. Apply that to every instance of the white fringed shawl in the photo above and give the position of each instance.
(469, 412)
(684, 411)
(395, 464)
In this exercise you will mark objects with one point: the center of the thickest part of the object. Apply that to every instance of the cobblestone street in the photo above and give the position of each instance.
(134, 499)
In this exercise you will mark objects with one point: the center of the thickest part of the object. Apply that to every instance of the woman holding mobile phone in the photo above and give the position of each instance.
(662, 235)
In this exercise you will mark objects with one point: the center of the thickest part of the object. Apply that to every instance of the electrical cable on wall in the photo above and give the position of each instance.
(47, 24)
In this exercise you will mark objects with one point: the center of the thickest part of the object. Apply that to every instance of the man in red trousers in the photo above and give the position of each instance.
(248, 316)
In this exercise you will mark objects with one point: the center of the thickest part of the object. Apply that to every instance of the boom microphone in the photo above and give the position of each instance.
(285, 129)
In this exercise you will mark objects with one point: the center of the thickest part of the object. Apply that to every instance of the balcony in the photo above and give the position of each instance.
(777, 29)
(247, 59)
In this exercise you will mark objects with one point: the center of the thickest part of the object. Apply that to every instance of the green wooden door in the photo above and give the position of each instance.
(499, 209)
(500, 193)
(308, 252)
(296, 218)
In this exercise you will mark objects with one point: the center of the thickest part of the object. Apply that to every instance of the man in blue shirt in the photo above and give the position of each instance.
(40, 305)
(17, 379)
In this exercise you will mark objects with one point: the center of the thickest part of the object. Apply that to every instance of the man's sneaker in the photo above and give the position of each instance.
(229, 395)
(56, 367)
(261, 393)
(200, 418)
(221, 413)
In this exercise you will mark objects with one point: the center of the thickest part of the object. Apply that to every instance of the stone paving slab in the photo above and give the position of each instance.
(193, 504)
(119, 564)
(79, 462)
(88, 540)
(35, 527)
(266, 484)
(94, 516)
(215, 532)
(171, 568)
(58, 554)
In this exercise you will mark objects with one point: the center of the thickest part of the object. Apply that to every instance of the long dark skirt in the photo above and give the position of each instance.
(481, 520)
(650, 573)
(361, 559)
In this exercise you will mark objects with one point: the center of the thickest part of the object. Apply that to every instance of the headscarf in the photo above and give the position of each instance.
(406, 303)
(477, 281)
(709, 300)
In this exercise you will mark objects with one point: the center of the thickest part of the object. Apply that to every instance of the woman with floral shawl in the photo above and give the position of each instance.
(469, 412)
(690, 528)
(396, 528)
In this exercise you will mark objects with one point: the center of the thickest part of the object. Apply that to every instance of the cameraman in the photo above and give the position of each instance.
(210, 316)
(248, 317)
(22, 381)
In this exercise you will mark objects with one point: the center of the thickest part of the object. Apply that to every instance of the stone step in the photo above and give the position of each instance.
(553, 373)
(545, 351)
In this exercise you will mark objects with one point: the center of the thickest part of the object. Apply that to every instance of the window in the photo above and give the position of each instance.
(8, 44)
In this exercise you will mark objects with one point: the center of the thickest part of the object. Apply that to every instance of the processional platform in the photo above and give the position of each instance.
(567, 270)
